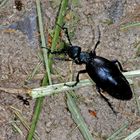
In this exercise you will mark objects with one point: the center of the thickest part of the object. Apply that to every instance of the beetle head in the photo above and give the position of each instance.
(79, 57)
(74, 52)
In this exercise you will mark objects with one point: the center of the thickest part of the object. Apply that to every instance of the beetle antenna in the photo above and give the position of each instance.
(98, 42)
(66, 32)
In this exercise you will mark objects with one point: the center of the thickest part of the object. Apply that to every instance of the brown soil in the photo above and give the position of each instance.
(19, 56)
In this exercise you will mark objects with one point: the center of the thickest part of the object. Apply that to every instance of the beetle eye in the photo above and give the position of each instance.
(74, 51)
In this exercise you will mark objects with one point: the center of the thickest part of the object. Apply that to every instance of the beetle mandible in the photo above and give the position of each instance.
(105, 73)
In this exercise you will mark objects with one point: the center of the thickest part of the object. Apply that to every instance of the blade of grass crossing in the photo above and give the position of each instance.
(48, 62)
(78, 118)
(59, 21)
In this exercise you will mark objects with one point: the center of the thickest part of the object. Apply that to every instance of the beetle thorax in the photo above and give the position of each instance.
(82, 58)
(78, 57)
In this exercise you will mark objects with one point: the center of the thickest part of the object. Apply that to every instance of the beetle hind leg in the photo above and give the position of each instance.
(107, 100)
(119, 65)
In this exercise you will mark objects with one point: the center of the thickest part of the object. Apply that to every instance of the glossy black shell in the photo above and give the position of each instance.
(103, 72)
(108, 77)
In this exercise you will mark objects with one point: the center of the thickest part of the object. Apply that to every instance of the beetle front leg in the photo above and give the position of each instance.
(119, 65)
(66, 32)
(63, 59)
(107, 100)
(62, 51)
(77, 78)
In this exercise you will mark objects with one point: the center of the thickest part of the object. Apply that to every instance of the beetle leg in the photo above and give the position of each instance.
(66, 32)
(62, 51)
(63, 59)
(107, 100)
(119, 65)
(77, 78)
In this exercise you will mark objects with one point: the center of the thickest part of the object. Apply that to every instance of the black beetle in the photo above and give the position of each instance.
(105, 73)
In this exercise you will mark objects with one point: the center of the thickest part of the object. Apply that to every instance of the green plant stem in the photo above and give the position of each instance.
(51, 89)
(77, 117)
(130, 25)
(61, 15)
(47, 78)
(43, 41)
(38, 106)
(3, 3)
(117, 132)
(39, 101)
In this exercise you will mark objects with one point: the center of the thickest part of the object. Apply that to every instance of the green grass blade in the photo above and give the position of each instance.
(51, 89)
(38, 106)
(34, 72)
(47, 78)
(43, 41)
(78, 119)
(132, 74)
(61, 15)
(128, 25)
(3, 3)
(113, 136)
(134, 135)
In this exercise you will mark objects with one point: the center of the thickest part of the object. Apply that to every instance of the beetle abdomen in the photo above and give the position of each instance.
(121, 90)
(108, 77)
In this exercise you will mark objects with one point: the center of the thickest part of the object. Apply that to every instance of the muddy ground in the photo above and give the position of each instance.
(19, 51)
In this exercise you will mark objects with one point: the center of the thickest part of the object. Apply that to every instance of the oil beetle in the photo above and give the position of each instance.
(105, 73)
